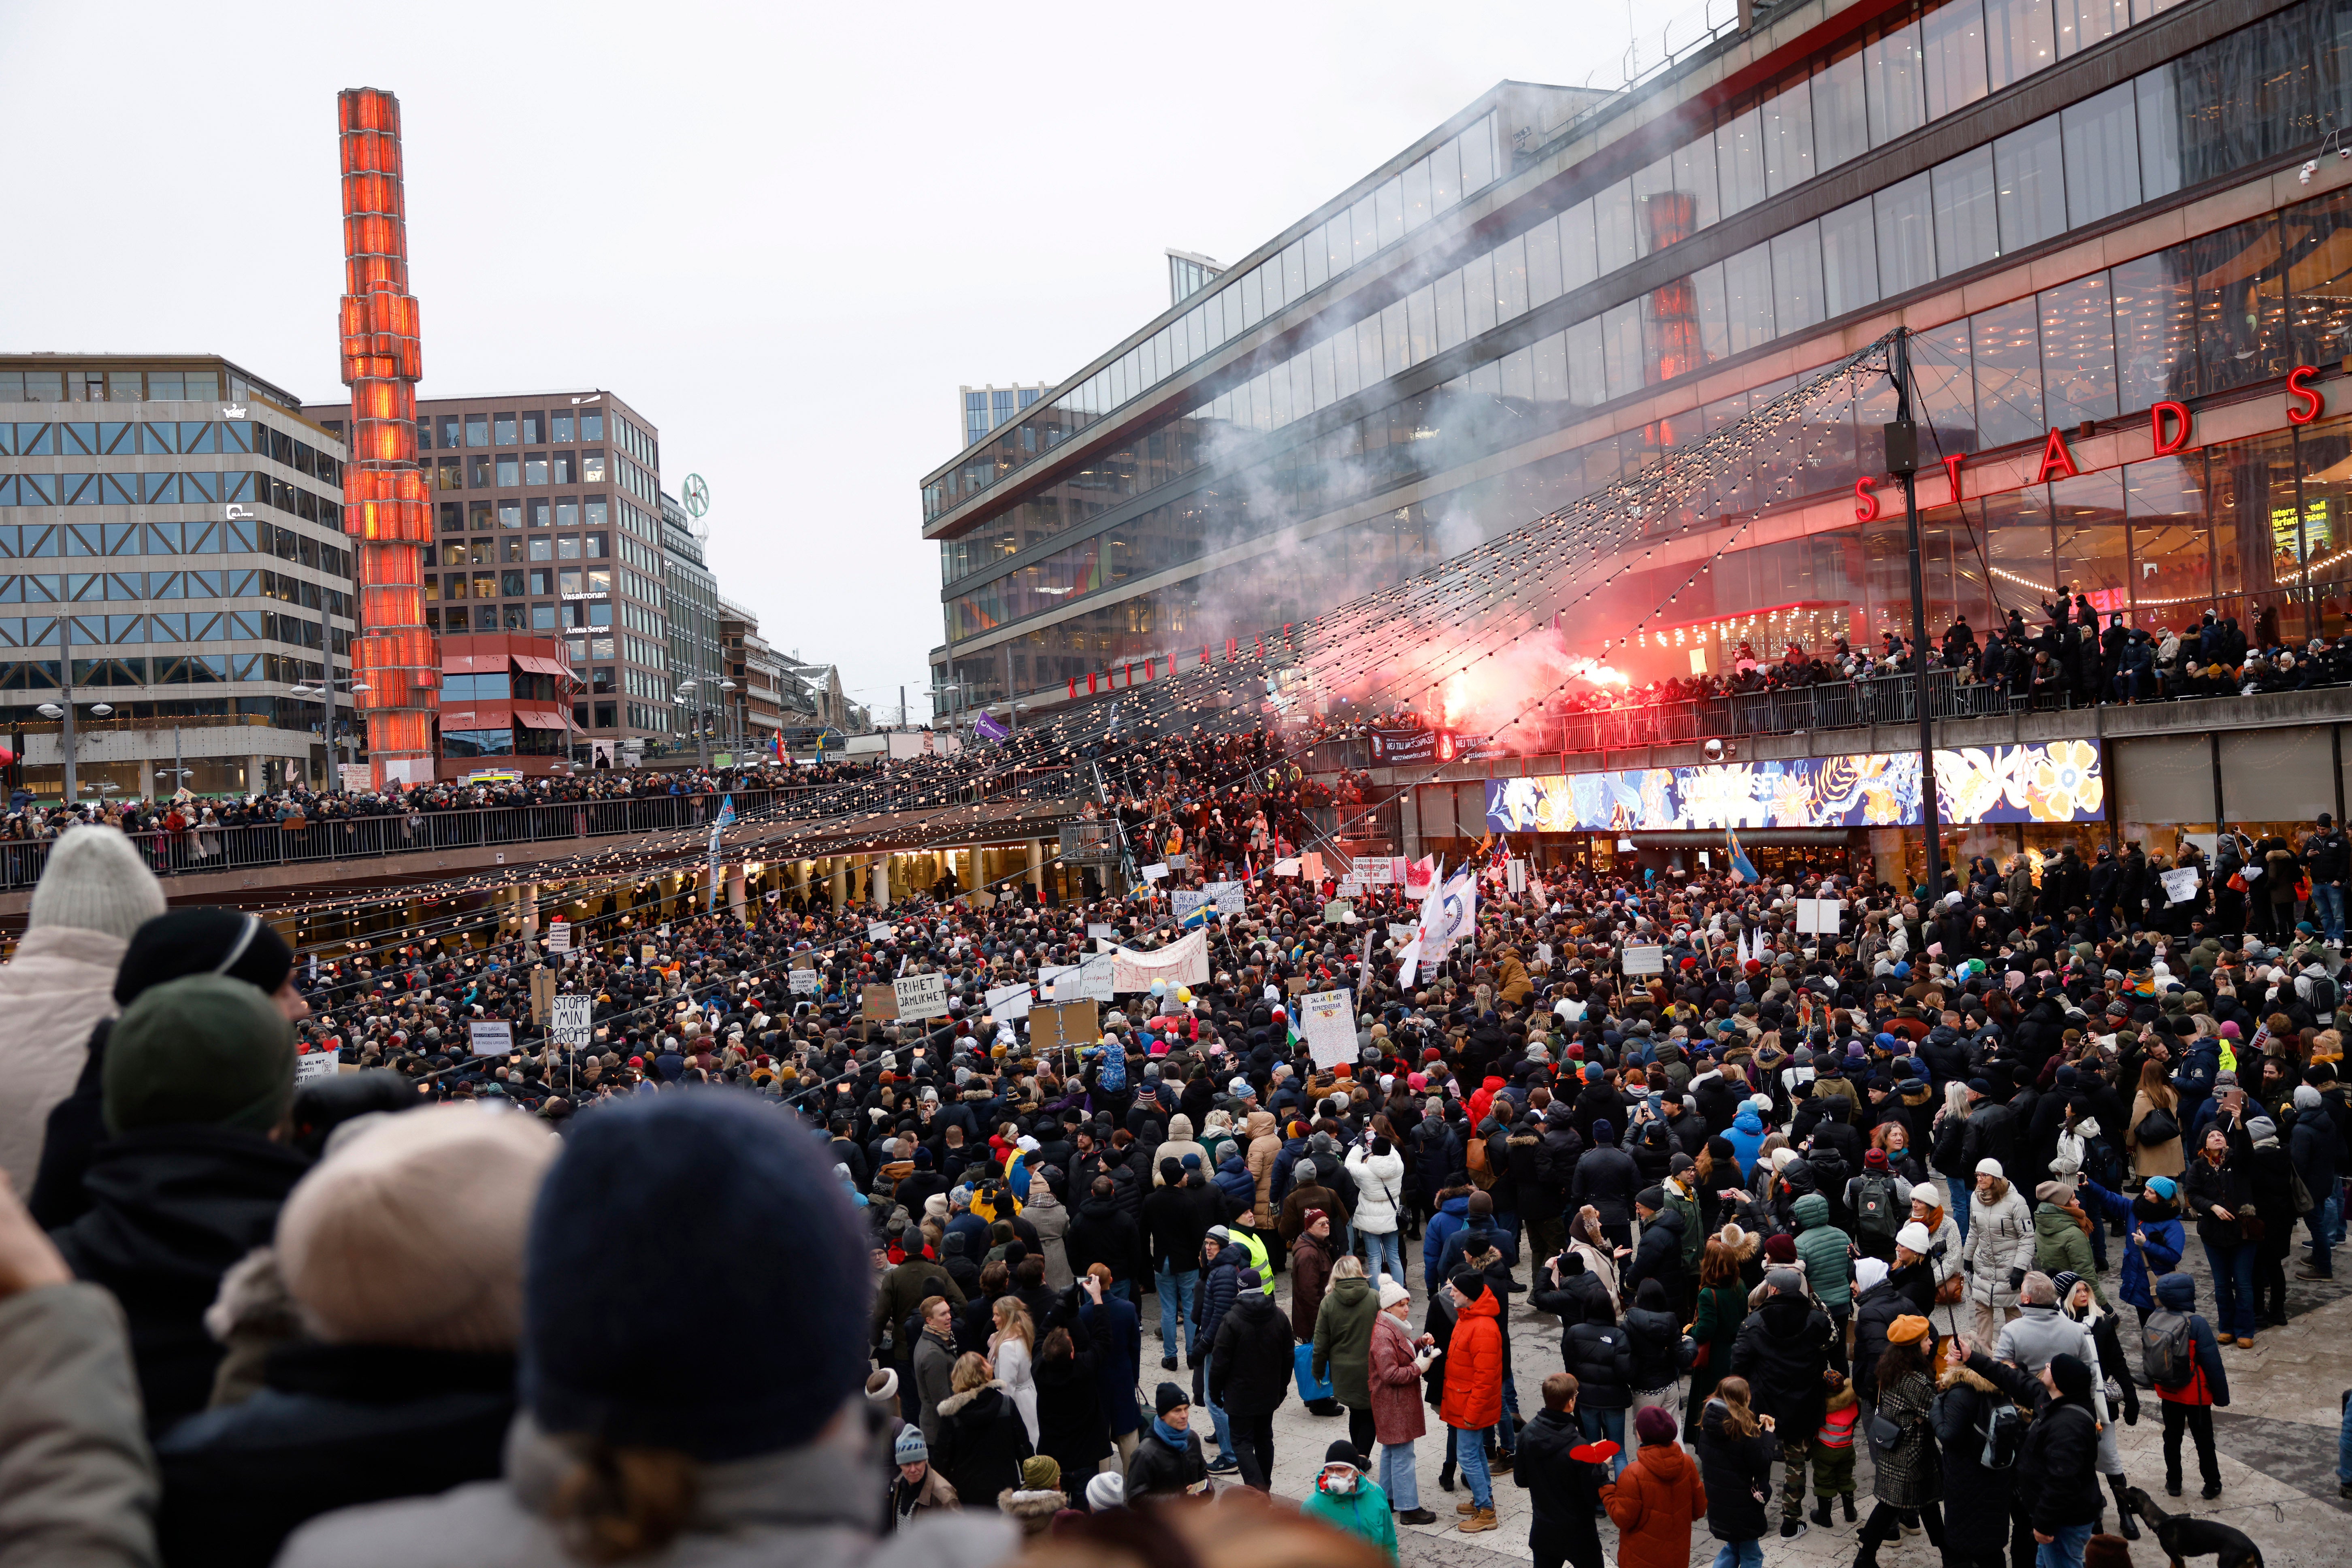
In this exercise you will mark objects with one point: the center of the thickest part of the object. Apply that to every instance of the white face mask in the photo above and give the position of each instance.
(1341, 1482)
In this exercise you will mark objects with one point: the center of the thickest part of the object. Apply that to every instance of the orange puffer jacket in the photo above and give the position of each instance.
(1474, 1367)
(1654, 1504)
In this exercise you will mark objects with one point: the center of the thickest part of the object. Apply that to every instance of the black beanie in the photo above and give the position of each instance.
(2071, 1376)
(203, 942)
(1167, 1398)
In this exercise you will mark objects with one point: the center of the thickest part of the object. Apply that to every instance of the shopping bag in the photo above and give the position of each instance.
(1303, 1368)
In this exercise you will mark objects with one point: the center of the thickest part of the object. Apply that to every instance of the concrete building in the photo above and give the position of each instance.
(172, 526)
(548, 521)
(504, 706)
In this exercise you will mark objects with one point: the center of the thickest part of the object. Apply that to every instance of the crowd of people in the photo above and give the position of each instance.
(293, 1269)
(2068, 658)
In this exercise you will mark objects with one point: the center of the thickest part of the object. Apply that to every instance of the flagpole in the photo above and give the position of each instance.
(1903, 462)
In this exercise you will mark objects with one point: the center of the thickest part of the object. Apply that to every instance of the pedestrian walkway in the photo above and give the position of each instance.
(2276, 1441)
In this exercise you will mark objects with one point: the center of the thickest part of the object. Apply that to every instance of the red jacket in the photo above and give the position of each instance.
(1655, 1503)
(1474, 1367)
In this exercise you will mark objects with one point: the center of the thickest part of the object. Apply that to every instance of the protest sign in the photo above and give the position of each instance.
(1009, 1004)
(1063, 1025)
(491, 1039)
(1644, 960)
(1310, 866)
(1374, 870)
(1097, 928)
(1338, 912)
(559, 935)
(1327, 1019)
(807, 982)
(1225, 896)
(1185, 900)
(879, 1003)
(921, 995)
(2181, 884)
(1288, 868)
(878, 932)
(1154, 872)
(315, 1066)
(570, 1020)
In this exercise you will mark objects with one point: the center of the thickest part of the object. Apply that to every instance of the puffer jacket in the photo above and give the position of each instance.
(2039, 1334)
(1394, 1384)
(81, 1488)
(2144, 1263)
(1220, 1282)
(56, 988)
(1602, 1358)
(1782, 1350)
(1654, 1504)
(1343, 1337)
(1178, 1143)
(1473, 1369)
(1263, 1145)
(1653, 1340)
(1826, 1252)
(2000, 1242)
(2060, 1246)
(1735, 1467)
(1379, 1189)
(1976, 1520)
(1746, 1136)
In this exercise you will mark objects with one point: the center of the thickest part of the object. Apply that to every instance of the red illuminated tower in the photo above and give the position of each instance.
(383, 489)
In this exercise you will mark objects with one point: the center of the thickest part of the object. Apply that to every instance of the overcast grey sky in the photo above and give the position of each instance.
(786, 233)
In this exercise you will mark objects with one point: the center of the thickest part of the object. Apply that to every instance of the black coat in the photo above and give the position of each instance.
(1658, 1255)
(333, 1426)
(1910, 1291)
(1562, 1489)
(1653, 1340)
(1250, 1363)
(1975, 1500)
(1155, 1469)
(1733, 1469)
(1602, 1358)
(1782, 1350)
(1071, 1425)
(170, 1208)
(981, 1443)
(1103, 1232)
(1607, 1178)
(2058, 1467)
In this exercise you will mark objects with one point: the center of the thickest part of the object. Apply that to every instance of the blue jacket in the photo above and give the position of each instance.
(1746, 1137)
(1451, 1217)
(2142, 1266)
(2178, 1293)
(1235, 1181)
(2194, 1081)
(1220, 1283)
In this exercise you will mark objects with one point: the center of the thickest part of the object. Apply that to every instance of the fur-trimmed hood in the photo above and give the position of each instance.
(955, 1402)
(1035, 1509)
(1958, 1375)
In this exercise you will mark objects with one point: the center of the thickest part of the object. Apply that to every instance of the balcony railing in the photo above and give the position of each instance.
(202, 850)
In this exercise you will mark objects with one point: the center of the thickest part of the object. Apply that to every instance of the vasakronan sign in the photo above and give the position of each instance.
(2059, 781)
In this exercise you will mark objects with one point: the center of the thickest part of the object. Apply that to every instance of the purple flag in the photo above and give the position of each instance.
(987, 728)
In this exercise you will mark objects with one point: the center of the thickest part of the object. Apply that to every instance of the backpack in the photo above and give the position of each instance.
(1874, 1209)
(2323, 998)
(1112, 1078)
(1481, 1169)
(2166, 1352)
(2004, 1431)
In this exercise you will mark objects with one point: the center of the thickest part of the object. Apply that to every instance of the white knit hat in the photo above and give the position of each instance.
(95, 880)
(412, 1234)
(1914, 1236)
(1391, 1292)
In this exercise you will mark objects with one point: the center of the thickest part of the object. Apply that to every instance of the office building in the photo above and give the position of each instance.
(503, 707)
(547, 520)
(691, 610)
(172, 525)
(986, 407)
(2082, 213)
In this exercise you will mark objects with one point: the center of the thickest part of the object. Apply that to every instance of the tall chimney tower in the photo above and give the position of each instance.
(383, 488)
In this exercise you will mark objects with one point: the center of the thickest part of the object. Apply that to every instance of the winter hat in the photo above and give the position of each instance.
(2258, 1128)
(1781, 1248)
(96, 880)
(1651, 1198)
(1654, 1426)
(1903, 1330)
(693, 1209)
(1107, 1491)
(203, 1050)
(1041, 1473)
(1868, 1272)
(412, 1232)
(203, 942)
(1391, 1293)
(1874, 1160)
(2058, 1195)
(1343, 1453)
(1249, 1279)
(1602, 1133)
(2106, 1551)
(1914, 1236)
(1169, 1396)
(1988, 1166)
(2162, 1187)
(910, 1449)
(1785, 1282)
(2071, 1376)
(2064, 1281)
(2307, 1097)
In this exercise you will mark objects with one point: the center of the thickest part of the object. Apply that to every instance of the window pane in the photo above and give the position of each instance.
(2160, 134)
(1621, 332)
(2027, 164)
(2019, 39)
(1841, 123)
(1578, 247)
(2320, 269)
(2082, 23)
(1907, 237)
(2240, 315)
(1951, 39)
(2102, 155)
(1944, 371)
(1612, 211)
(1966, 231)
(1739, 161)
(2156, 335)
(1543, 263)
(1587, 382)
(2172, 557)
(1748, 299)
(1850, 257)
(2078, 351)
(2007, 345)
(1891, 68)
(1797, 279)
(1788, 121)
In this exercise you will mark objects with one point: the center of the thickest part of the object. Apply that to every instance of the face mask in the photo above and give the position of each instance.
(1342, 1483)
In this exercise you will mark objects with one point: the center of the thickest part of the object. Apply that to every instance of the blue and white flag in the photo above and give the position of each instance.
(1450, 914)
(1741, 865)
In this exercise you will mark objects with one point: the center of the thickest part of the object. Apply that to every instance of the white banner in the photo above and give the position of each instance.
(922, 995)
(1644, 960)
(1184, 962)
(491, 1039)
(2181, 884)
(1327, 1021)
(317, 1065)
(1009, 1004)
(569, 1020)
(807, 982)
(1375, 871)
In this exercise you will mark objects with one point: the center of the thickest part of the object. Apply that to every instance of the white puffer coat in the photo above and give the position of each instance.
(1380, 1188)
(52, 993)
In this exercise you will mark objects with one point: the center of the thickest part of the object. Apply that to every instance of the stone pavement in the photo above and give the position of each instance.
(2277, 1443)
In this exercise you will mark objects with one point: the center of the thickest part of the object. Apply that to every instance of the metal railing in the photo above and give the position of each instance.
(198, 851)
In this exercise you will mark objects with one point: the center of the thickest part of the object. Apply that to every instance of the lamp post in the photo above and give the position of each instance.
(1903, 462)
(325, 691)
(64, 713)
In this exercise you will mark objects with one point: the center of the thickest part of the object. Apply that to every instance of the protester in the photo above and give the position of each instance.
(1657, 1499)
(1737, 1449)
(1347, 1498)
(1396, 1364)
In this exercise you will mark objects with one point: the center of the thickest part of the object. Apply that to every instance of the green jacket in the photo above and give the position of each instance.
(1825, 1251)
(1343, 1341)
(1694, 1231)
(1363, 1511)
(2059, 1244)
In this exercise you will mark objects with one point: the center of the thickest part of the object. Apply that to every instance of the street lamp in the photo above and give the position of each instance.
(325, 687)
(64, 713)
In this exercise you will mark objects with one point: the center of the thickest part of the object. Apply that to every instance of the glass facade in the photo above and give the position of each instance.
(2226, 309)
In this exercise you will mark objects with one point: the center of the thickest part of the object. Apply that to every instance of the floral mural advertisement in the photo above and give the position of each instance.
(2057, 781)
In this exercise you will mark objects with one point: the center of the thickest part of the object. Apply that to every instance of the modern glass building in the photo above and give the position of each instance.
(172, 525)
(2084, 208)
(691, 610)
(986, 407)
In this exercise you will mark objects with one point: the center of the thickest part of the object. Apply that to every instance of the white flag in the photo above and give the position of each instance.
(1408, 964)
(1450, 914)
